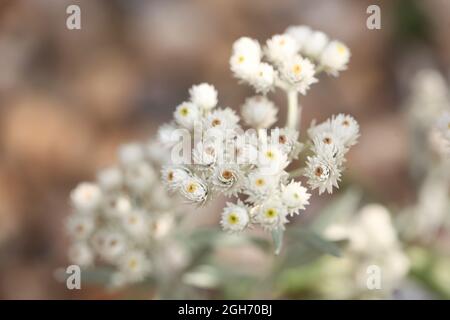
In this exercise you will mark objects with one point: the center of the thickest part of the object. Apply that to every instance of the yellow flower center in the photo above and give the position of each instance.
(260, 182)
(271, 213)
(270, 154)
(184, 111)
(341, 49)
(297, 69)
(327, 140)
(241, 59)
(318, 172)
(133, 263)
(192, 187)
(233, 218)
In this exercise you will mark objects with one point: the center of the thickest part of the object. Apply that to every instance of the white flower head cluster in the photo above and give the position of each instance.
(230, 161)
(290, 60)
(372, 241)
(251, 165)
(122, 218)
(331, 141)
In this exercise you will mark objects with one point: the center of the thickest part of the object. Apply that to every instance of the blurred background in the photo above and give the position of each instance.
(69, 98)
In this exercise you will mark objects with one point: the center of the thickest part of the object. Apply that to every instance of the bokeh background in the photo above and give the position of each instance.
(68, 98)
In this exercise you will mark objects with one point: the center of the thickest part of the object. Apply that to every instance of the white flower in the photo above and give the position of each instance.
(443, 125)
(322, 172)
(249, 46)
(328, 144)
(300, 33)
(195, 190)
(245, 58)
(110, 178)
(271, 159)
(228, 179)
(235, 217)
(130, 154)
(259, 112)
(86, 197)
(173, 176)
(346, 129)
(161, 225)
(335, 57)
(110, 245)
(244, 149)
(81, 254)
(134, 265)
(287, 140)
(204, 95)
(280, 47)
(135, 223)
(117, 206)
(259, 185)
(315, 44)
(221, 121)
(167, 135)
(264, 78)
(140, 177)
(272, 214)
(298, 73)
(187, 114)
(295, 197)
(206, 153)
(80, 226)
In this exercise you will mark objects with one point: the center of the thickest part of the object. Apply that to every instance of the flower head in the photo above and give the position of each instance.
(235, 217)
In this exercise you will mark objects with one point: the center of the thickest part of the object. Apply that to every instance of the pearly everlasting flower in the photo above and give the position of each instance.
(300, 33)
(315, 44)
(187, 114)
(80, 226)
(195, 190)
(130, 154)
(264, 78)
(167, 136)
(259, 186)
(443, 125)
(228, 179)
(249, 46)
(245, 59)
(86, 197)
(81, 254)
(280, 47)
(346, 129)
(117, 206)
(140, 176)
(207, 153)
(298, 73)
(235, 217)
(135, 224)
(335, 57)
(221, 120)
(287, 140)
(272, 214)
(323, 173)
(134, 265)
(259, 112)
(271, 159)
(110, 178)
(204, 95)
(173, 176)
(294, 196)
(111, 245)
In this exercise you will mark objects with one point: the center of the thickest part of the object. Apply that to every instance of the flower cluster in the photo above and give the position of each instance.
(252, 165)
(372, 246)
(123, 218)
(292, 59)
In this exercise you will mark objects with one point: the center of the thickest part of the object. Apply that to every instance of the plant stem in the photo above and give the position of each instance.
(294, 111)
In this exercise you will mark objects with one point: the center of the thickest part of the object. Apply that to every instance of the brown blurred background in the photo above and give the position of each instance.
(68, 98)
